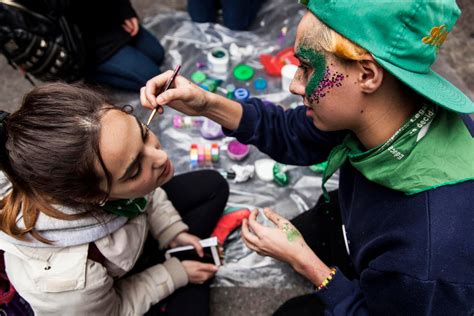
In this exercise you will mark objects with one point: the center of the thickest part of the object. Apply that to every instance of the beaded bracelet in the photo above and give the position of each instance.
(327, 280)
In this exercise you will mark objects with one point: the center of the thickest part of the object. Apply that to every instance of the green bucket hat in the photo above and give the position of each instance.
(404, 37)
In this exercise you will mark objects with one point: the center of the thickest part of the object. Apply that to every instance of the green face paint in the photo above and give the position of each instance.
(291, 232)
(318, 62)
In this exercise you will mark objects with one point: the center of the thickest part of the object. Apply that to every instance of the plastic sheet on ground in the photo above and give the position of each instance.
(187, 43)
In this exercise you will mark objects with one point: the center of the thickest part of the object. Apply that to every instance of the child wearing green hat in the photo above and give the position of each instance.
(399, 135)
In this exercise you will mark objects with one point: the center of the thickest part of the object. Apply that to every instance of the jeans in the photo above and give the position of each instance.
(237, 14)
(133, 64)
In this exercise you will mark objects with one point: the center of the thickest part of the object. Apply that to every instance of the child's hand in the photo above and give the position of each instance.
(199, 272)
(183, 95)
(184, 239)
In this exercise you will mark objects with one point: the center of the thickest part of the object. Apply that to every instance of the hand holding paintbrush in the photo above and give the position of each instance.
(166, 87)
(190, 99)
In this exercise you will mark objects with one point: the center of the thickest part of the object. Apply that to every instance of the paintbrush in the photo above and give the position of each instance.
(166, 87)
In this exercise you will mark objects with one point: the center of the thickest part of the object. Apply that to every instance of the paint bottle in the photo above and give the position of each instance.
(228, 174)
(218, 60)
(180, 121)
(207, 154)
(201, 158)
(187, 121)
(193, 155)
(177, 121)
(215, 152)
(210, 84)
(230, 88)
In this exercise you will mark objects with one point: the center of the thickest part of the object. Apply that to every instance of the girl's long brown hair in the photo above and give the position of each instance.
(53, 156)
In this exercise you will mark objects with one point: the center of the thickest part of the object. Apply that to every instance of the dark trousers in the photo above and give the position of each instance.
(131, 66)
(200, 198)
(237, 14)
(321, 228)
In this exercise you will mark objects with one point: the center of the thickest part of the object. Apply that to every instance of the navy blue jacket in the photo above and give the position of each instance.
(414, 254)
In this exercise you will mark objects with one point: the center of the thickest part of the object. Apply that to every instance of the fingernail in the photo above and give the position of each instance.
(159, 100)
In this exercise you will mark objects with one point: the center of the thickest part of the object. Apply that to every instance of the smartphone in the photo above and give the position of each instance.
(209, 246)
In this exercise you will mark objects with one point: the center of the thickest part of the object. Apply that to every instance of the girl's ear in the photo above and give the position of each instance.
(370, 75)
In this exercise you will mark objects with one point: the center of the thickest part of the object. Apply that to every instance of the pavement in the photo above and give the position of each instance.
(456, 63)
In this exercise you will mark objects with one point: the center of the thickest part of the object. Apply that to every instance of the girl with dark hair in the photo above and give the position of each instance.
(88, 183)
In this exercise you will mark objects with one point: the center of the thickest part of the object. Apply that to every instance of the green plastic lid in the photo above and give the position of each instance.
(198, 77)
(243, 72)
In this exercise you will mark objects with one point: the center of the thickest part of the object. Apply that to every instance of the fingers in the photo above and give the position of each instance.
(128, 26)
(135, 26)
(274, 217)
(167, 96)
(178, 92)
(197, 245)
(207, 267)
(199, 272)
(205, 271)
(254, 225)
(152, 87)
(143, 100)
(250, 240)
(246, 234)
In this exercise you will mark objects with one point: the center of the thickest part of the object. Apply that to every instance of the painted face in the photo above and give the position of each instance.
(133, 156)
(322, 80)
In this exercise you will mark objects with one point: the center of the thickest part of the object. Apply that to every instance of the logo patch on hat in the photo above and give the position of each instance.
(437, 36)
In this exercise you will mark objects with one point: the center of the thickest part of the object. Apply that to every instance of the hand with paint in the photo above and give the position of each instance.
(285, 243)
(282, 242)
(190, 99)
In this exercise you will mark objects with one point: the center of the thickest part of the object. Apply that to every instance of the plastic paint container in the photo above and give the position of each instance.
(264, 169)
(218, 60)
(260, 84)
(198, 77)
(243, 72)
(186, 121)
(241, 94)
(287, 74)
(237, 151)
(210, 84)
(211, 130)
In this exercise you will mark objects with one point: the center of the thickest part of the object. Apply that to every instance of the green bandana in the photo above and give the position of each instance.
(433, 148)
(128, 208)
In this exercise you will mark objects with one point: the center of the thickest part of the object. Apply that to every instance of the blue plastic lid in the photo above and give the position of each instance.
(241, 94)
(260, 83)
